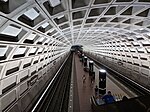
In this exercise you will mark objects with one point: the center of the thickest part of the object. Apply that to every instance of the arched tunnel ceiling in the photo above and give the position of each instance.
(92, 23)
(85, 22)
(88, 22)
(36, 36)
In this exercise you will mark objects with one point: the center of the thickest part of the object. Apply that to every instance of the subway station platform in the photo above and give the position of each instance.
(84, 91)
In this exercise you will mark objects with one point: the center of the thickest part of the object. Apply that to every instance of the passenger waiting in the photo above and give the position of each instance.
(108, 98)
(84, 79)
(124, 98)
(96, 90)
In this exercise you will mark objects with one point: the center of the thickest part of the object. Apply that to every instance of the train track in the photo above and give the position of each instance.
(57, 95)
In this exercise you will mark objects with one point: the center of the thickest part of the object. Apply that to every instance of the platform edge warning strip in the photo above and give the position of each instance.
(76, 105)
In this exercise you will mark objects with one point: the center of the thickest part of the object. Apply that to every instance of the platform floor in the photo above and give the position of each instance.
(118, 90)
(84, 91)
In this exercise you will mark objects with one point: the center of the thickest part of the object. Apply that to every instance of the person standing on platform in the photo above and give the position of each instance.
(124, 98)
(96, 91)
(108, 98)
(84, 79)
(91, 79)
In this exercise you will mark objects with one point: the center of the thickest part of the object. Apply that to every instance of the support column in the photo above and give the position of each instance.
(85, 61)
(91, 69)
(102, 81)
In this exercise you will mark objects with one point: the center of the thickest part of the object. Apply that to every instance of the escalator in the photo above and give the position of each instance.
(137, 104)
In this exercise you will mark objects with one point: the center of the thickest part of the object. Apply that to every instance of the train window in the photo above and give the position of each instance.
(7, 6)
(44, 27)
(20, 52)
(12, 33)
(31, 17)
(31, 38)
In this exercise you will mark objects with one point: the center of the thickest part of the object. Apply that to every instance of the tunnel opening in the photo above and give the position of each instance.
(76, 48)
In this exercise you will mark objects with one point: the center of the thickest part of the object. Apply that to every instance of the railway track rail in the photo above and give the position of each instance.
(56, 96)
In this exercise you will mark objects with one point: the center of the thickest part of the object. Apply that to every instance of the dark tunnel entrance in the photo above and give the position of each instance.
(76, 48)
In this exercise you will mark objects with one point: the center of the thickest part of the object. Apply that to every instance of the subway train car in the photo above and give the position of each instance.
(36, 37)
